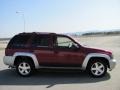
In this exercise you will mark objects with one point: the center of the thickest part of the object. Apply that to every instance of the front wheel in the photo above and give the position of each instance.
(24, 68)
(97, 68)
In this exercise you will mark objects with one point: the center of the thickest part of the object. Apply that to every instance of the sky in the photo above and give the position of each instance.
(59, 16)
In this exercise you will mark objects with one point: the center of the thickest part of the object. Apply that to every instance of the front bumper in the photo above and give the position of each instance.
(8, 60)
(112, 64)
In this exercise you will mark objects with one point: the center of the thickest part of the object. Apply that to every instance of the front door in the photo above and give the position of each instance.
(68, 53)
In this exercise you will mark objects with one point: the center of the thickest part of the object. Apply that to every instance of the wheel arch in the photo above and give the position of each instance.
(31, 56)
(94, 56)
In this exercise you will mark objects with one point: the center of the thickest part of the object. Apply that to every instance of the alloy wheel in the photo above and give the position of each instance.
(24, 68)
(97, 69)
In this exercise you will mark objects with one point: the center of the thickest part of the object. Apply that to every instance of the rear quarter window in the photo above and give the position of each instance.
(18, 41)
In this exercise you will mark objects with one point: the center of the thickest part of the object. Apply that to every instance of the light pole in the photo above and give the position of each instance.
(23, 16)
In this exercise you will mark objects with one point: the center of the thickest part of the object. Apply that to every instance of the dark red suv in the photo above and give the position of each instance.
(29, 51)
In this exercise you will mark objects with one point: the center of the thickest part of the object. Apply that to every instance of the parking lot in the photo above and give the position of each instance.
(65, 80)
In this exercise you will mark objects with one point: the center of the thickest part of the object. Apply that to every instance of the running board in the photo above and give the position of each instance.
(46, 67)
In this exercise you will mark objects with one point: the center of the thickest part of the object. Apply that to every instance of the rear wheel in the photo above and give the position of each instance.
(24, 68)
(97, 68)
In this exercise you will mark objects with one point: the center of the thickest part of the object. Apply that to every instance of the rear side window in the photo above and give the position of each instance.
(18, 41)
(40, 41)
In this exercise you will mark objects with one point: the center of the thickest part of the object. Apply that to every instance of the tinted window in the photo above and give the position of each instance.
(19, 41)
(40, 41)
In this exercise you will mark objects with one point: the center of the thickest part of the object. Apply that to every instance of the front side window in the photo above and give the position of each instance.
(64, 42)
(40, 41)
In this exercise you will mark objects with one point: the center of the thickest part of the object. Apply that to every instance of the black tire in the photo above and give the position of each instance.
(95, 71)
(24, 68)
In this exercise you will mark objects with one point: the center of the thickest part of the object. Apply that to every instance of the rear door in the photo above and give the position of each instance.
(41, 46)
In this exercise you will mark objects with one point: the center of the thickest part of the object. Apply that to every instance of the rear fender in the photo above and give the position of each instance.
(28, 55)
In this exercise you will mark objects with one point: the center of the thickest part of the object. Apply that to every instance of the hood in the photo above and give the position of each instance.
(96, 50)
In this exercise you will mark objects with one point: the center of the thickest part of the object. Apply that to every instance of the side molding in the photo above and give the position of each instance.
(85, 62)
(29, 55)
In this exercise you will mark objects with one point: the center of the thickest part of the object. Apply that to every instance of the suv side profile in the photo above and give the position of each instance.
(29, 51)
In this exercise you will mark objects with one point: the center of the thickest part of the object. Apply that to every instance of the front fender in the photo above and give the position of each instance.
(91, 55)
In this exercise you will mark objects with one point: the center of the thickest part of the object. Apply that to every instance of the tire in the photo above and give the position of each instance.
(97, 68)
(24, 68)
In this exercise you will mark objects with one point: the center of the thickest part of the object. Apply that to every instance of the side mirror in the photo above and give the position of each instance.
(75, 46)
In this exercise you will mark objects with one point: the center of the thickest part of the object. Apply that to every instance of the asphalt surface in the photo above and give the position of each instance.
(66, 80)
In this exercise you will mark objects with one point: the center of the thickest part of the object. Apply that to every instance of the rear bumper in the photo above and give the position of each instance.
(112, 64)
(8, 60)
